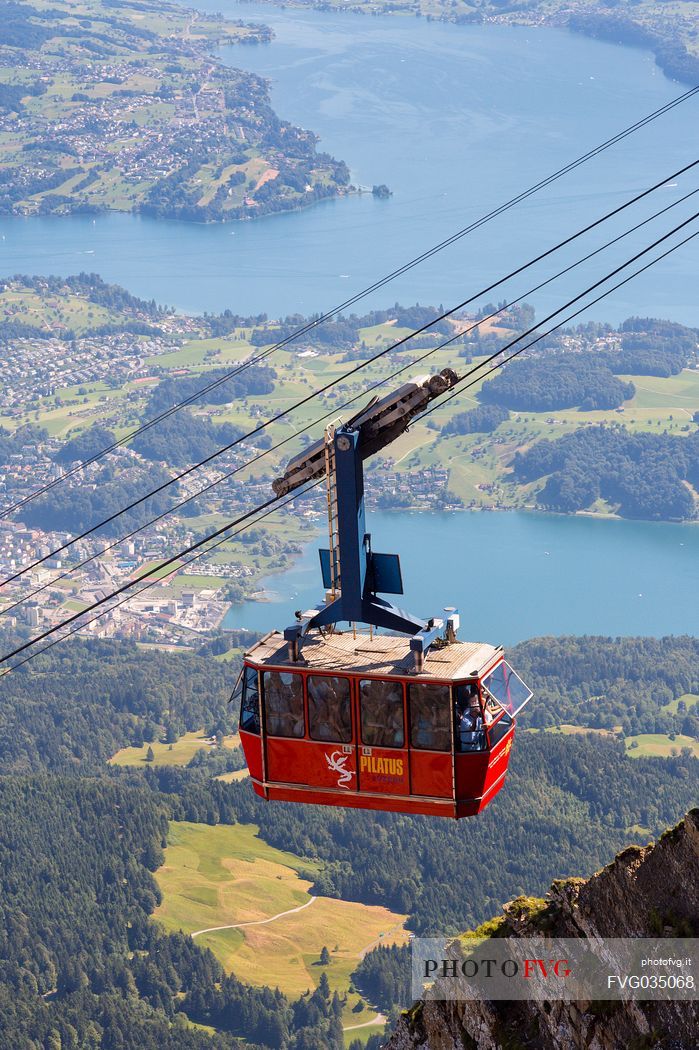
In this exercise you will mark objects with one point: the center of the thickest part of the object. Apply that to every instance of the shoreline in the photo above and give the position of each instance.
(607, 29)
(265, 596)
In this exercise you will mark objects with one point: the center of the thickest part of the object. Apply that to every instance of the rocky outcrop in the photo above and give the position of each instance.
(645, 892)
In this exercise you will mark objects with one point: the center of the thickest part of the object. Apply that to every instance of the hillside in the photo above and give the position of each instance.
(596, 419)
(121, 106)
(122, 845)
(645, 890)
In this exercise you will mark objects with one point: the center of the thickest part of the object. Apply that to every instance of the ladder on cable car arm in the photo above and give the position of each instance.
(353, 574)
(333, 514)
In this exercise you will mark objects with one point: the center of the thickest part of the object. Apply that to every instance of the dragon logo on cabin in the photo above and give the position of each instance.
(337, 764)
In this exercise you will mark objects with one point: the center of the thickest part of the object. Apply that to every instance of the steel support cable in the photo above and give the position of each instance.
(363, 393)
(380, 283)
(153, 582)
(353, 371)
(143, 576)
(226, 528)
(554, 328)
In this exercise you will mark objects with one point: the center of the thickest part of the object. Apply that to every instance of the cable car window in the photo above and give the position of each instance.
(283, 695)
(500, 729)
(329, 714)
(430, 707)
(250, 704)
(468, 719)
(382, 713)
(508, 688)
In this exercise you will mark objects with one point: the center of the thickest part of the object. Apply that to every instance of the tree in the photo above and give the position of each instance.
(149, 754)
(324, 985)
(324, 956)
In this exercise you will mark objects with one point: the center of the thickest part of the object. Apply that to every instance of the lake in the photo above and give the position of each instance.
(456, 120)
(517, 575)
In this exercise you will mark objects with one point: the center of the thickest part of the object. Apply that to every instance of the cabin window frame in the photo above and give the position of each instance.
(348, 680)
(447, 727)
(304, 720)
(359, 682)
(255, 711)
(485, 744)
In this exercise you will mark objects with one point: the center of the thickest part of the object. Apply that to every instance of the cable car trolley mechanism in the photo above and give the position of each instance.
(406, 717)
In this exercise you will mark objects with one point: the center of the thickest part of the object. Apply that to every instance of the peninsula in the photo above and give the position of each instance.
(120, 105)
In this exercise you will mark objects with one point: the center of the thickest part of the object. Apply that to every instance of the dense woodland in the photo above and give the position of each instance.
(542, 384)
(73, 709)
(483, 419)
(74, 507)
(383, 976)
(84, 966)
(643, 475)
(556, 378)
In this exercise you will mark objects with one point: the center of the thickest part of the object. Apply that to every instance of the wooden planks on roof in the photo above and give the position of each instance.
(383, 655)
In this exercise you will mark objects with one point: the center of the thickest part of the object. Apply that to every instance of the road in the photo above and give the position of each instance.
(254, 922)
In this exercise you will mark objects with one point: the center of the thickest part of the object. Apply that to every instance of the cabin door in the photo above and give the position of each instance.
(382, 759)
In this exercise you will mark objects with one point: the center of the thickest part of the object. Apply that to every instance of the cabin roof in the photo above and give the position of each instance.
(385, 655)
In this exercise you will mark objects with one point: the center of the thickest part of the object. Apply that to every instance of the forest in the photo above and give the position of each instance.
(556, 377)
(642, 475)
(75, 508)
(255, 379)
(483, 419)
(542, 384)
(183, 438)
(344, 332)
(85, 967)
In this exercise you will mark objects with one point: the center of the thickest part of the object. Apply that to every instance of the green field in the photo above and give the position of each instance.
(658, 745)
(566, 729)
(226, 875)
(230, 778)
(690, 701)
(177, 754)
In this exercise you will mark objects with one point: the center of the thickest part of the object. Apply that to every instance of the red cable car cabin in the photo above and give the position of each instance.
(356, 726)
(416, 724)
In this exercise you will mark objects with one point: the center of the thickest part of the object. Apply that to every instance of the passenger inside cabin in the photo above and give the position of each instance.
(429, 716)
(469, 723)
(329, 715)
(284, 704)
(382, 713)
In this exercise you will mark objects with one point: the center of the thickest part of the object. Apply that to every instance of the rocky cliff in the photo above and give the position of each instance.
(645, 892)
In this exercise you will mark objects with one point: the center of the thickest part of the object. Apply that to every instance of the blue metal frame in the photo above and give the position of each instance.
(358, 601)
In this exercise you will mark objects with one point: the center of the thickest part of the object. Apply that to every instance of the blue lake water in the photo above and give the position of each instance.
(517, 575)
(456, 120)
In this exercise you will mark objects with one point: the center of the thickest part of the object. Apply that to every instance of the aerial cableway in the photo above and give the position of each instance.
(414, 720)
(373, 287)
(151, 576)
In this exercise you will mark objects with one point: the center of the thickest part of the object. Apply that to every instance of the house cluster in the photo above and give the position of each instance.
(426, 488)
(137, 129)
(36, 368)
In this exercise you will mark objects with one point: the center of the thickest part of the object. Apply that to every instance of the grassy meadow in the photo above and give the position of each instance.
(658, 745)
(227, 876)
(177, 754)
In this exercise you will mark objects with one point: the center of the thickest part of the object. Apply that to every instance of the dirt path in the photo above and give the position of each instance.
(379, 1019)
(254, 922)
